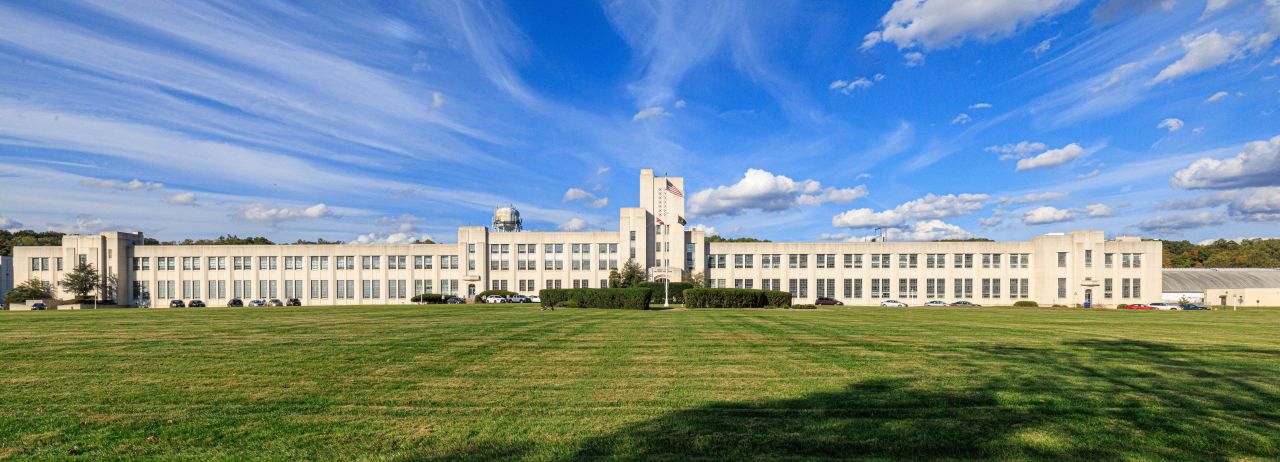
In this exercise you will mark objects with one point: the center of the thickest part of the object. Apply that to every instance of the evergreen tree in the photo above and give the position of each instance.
(82, 280)
(31, 290)
(632, 275)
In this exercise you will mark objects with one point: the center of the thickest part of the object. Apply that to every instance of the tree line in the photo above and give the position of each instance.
(1248, 253)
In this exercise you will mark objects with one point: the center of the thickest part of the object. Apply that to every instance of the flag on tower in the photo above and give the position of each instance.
(680, 220)
(673, 189)
(659, 220)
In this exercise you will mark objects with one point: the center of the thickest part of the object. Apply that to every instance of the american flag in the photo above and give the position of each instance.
(672, 188)
(659, 220)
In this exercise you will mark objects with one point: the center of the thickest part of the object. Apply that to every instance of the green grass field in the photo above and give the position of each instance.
(485, 382)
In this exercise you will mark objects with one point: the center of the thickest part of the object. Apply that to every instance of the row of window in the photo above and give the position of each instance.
(877, 260)
(319, 289)
(1127, 260)
(346, 262)
(1018, 288)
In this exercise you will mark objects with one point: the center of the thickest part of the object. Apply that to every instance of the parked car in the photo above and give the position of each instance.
(275, 302)
(38, 307)
(936, 303)
(494, 299)
(827, 301)
(455, 301)
(176, 304)
(535, 299)
(1136, 306)
(293, 302)
(258, 302)
(1164, 306)
(235, 302)
(893, 303)
(196, 304)
(519, 299)
(964, 303)
(1194, 307)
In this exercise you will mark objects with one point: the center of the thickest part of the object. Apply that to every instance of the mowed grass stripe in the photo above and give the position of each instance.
(494, 382)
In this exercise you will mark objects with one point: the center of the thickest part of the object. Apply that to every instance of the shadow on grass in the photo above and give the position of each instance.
(1095, 400)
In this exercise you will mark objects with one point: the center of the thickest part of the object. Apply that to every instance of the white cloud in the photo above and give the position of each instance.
(862, 176)
(680, 104)
(943, 23)
(961, 119)
(1213, 6)
(1117, 75)
(117, 185)
(1170, 124)
(847, 87)
(1034, 197)
(980, 106)
(914, 59)
(602, 171)
(1046, 214)
(260, 212)
(1249, 204)
(402, 229)
(392, 238)
(1089, 174)
(1051, 158)
(1216, 97)
(1203, 52)
(9, 223)
(578, 194)
(574, 224)
(650, 113)
(764, 191)
(1017, 151)
(1176, 224)
(930, 206)
(928, 230)
(708, 230)
(437, 100)
(991, 222)
(1099, 210)
(1043, 46)
(1257, 165)
(186, 198)
(84, 224)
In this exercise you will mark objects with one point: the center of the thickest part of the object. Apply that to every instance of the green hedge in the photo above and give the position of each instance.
(676, 290)
(631, 299)
(504, 293)
(735, 298)
(428, 298)
(803, 307)
(1027, 303)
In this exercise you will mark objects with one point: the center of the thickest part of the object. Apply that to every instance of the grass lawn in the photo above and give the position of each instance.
(484, 382)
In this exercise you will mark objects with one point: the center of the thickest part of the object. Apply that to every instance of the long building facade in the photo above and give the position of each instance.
(1062, 268)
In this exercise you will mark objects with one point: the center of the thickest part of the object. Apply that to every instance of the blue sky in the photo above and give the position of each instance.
(789, 120)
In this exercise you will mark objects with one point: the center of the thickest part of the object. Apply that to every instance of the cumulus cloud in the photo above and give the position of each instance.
(186, 198)
(1248, 204)
(117, 185)
(980, 106)
(574, 224)
(930, 206)
(942, 23)
(1214, 6)
(1170, 124)
(991, 222)
(680, 104)
(914, 59)
(392, 238)
(1046, 214)
(1034, 197)
(578, 194)
(1257, 165)
(1216, 97)
(1051, 158)
(84, 224)
(402, 229)
(961, 119)
(708, 230)
(263, 213)
(764, 191)
(650, 113)
(1176, 224)
(1203, 52)
(1020, 150)
(9, 223)
(928, 230)
(848, 86)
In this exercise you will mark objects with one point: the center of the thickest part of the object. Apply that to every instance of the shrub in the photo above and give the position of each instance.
(803, 307)
(632, 299)
(428, 298)
(724, 298)
(1122, 306)
(676, 290)
(504, 293)
(1027, 303)
(777, 298)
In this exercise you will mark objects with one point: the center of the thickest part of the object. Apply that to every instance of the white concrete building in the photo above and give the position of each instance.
(1067, 269)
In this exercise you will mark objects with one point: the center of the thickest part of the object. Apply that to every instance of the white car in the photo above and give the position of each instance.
(495, 299)
(936, 303)
(535, 299)
(893, 303)
(1165, 306)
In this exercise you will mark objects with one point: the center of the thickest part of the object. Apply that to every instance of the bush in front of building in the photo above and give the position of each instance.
(480, 296)
(676, 290)
(777, 298)
(803, 307)
(628, 299)
(1026, 303)
(428, 298)
(31, 290)
(725, 298)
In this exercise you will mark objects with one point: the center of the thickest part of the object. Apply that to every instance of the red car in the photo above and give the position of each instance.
(827, 301)
(1138, 306)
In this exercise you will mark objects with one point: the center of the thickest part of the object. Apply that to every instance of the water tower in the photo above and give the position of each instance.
(506, 219)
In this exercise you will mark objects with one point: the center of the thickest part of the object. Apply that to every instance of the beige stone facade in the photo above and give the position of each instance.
(1065, 269)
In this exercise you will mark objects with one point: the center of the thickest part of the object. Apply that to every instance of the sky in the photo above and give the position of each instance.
(790, 121)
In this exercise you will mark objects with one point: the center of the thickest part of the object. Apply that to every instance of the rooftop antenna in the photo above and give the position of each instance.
(880, 237)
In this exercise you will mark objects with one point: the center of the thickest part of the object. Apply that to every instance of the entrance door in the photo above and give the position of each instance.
(471, 291)
(1088, 297)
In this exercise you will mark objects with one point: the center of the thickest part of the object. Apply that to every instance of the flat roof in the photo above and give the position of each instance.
(1199, 279)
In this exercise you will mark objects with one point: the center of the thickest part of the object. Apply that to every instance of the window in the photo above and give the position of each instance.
(798, 260)
(267, 289)
(1062, 260)
(743, 260)
(771, 284)
(1062, 287)
(1131, 288)
(370, 289)
(990, 260)
(963, 288)
(935, 288)
(826, 260)
(990, 288)
(1107, 290)
(471, 256)
(935, 260)
(743, 284)
(217, 290)
(553, 256)
(853, 260)
(880, 260)
(1107, 259)
(421, 286)
(1018, 288)
(907, 260)
(1019, 260)
(608, 255)
(1131, 260)
(581, 256)
(771, 261)
(826, 287)
(449, 262)
(848, 288)
(396, 288)
(879, 288)
(1088, 258)
(553, 284)
(908, 288)
(963, 260)
(320, 289)
(320, 263)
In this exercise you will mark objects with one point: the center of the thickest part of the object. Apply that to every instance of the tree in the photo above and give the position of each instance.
(697, 280)
(424, 241)
(82, 280)
(717, 238)
(631, 274)
(33, 289)
(615, 279)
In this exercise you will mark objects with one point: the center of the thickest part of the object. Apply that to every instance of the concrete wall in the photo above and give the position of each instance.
(1244, 297)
